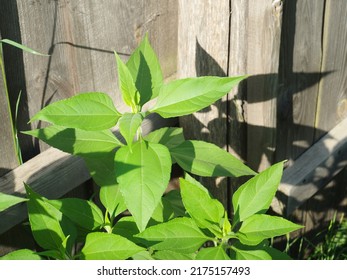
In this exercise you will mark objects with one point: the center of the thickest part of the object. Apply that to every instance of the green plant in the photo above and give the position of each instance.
(328, 244)
(9, 112)
(134, 172)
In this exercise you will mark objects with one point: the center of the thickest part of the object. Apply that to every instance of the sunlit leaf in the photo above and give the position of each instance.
(186, 96)
(87, 111)
(143, 174)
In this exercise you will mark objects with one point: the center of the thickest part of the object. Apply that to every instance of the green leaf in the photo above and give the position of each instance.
(143, 175)
(111, 197)
(260, 226)
(259, 252)
(256, 254)
(142, 256)
(145, 69)
(22, 47)
(170, 207)
(276, 254)
(52, 254)
(82, 212)
(255, 196)
(127, 228)
(206, 159)
(171, 255)
(102, 169)
(128, 126)
(105, 246)
(127, 86)
(212, 253)
(186, 96)
(22, 254)
(174, 199)
(180, 235)
(44, 221)
(87, 111)
(206, 211)
(76, 141)
(167, 136)
(7, 200)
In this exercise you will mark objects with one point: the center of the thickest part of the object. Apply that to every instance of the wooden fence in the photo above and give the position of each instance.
(295, 52)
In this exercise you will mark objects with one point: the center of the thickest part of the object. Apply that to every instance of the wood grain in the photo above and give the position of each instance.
(299, 77)
(332, 100)
(313, 170)
(263, 50)
(203, 31)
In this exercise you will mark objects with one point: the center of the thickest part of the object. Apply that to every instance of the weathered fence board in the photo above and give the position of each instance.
(332, 103)
(263, 47)
(203, 32)
(299, 76)
(313, 170)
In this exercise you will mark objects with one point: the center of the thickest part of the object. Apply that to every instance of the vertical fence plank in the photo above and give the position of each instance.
(330, 111)
(300, 74)
(332, 103)
(263, 23)
(203, 50)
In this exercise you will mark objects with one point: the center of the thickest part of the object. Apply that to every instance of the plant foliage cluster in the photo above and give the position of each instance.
(134, 171)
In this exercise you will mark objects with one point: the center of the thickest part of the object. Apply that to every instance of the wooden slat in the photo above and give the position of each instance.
(313, 170)
(263, 28)
(299, 77)
(332, 102)
(203, 32)
(52, 173)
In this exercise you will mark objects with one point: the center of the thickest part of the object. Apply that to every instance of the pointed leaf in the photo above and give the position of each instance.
(127, 85)
(257, 254)
(206, 159)
(260, 226)
(22, 254)
(105, 246)
(213, 253)
(22, 47)
(127, 228)
(180, 235)
(128, 126)
(76, 141)
(256, 194)
(145, 69)
(186, 96)
(143, 175)
(7, 200)
(206, 211)
(82, 212)
(167, 136)
(174, 199)
(102, 168)
(44, 221)
(87, 111)
(112, 199)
